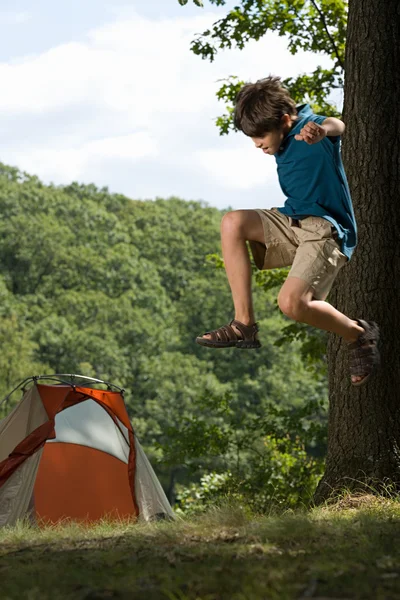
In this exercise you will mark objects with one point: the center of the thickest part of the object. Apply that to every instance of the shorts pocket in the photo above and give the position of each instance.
(333, 255)
(317, 225)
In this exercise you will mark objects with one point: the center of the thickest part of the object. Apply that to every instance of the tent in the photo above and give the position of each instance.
(68, 450)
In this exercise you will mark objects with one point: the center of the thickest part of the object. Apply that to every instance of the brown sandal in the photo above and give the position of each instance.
(226, 336)
(364, 353)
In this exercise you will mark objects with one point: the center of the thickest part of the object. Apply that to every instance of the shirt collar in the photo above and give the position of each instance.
(303, 111)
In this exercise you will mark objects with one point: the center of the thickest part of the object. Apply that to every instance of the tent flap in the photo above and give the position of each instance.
(16, 493)
(26, 416)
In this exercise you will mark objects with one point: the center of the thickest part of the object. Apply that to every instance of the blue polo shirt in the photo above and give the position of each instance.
(313, 180)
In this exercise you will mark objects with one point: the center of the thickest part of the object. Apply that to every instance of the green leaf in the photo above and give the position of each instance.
(196, 2)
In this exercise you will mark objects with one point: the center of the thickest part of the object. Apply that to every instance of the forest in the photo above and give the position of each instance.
(102, 285)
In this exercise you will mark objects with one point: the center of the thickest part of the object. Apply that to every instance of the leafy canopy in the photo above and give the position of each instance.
(308, 25)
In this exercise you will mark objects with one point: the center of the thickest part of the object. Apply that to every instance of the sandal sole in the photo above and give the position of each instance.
(241, 346)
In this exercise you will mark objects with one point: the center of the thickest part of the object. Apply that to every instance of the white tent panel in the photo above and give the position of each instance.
(88, 424)
(23, 419)
(150, 495)
(16, 493)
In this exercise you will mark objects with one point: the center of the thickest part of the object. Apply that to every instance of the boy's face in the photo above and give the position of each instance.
(271, 141)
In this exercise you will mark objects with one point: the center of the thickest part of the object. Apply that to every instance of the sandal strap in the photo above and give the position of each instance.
(223, 334)
(364, 362)
(370, 333)
(248, 331)
(363, 353)
(226, 333)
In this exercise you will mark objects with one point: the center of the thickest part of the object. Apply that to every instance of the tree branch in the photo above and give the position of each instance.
(321, 14)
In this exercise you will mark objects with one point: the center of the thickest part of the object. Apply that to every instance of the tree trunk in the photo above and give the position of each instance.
(364, 423)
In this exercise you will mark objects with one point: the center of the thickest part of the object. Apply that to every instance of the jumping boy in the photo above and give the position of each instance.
(315, 231)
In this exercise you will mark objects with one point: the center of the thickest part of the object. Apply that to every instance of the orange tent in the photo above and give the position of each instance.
(68, 450)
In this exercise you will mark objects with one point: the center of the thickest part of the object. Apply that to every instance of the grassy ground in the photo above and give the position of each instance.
(347, 551)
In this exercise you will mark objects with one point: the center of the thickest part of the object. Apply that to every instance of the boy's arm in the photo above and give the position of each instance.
(313, 133)
(333, 126)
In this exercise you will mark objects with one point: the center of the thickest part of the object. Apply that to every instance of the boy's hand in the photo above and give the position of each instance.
(311, 133)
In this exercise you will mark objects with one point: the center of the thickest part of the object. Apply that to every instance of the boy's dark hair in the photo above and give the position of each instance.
(260, 106)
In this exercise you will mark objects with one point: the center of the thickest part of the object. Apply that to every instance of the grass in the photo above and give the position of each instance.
(348, 550)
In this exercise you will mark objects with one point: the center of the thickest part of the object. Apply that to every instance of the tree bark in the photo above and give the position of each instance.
(364, 423)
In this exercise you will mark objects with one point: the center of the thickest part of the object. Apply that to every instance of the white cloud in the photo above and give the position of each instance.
(240, 168)
(58, 78)
(140, 67)
(130, 90)
(69, 163)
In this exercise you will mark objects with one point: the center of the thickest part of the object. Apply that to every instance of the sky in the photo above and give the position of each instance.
(108, 92)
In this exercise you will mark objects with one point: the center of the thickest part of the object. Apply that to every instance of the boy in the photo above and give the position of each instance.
(315, 232)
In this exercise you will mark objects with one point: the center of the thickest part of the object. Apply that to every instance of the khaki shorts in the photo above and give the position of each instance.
(309, 246)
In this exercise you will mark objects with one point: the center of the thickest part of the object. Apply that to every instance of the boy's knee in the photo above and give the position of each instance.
(292, 306)
(232, 223)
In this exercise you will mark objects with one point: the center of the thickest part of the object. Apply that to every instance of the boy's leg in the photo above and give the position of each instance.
(236, 228)
(296, 300)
